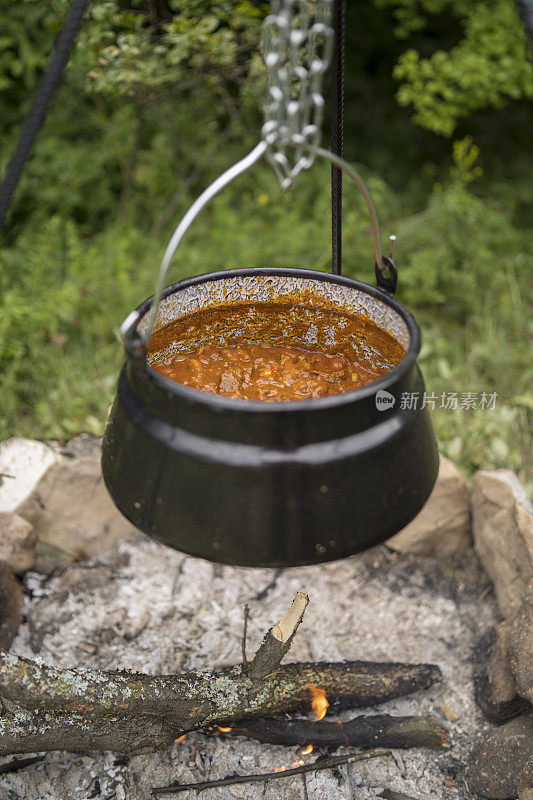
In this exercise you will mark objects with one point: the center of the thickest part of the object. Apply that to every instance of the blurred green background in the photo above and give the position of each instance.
(161, 96)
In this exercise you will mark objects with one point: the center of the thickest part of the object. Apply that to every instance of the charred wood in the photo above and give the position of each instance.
(362, 731)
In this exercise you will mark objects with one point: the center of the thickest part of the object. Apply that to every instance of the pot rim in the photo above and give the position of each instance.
(312, 404)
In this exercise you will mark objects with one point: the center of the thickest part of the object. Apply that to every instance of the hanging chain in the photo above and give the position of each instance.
(298, 44)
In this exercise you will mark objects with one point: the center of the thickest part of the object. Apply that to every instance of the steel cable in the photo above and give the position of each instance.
(337, 132)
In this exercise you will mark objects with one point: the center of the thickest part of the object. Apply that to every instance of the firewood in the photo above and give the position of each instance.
(11, 602)
(362, 731)
(44, 708)
(19, 763)
(278, 640)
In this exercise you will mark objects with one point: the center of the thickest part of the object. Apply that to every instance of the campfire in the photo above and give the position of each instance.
(415, 616)
(246, 694)
(194, 707)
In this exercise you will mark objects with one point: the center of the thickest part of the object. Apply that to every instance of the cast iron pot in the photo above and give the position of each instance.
(270, 484)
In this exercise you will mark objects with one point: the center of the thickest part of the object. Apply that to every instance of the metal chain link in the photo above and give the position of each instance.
(298, 45)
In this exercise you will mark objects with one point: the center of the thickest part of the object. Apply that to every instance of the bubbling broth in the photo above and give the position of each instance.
(273, 352)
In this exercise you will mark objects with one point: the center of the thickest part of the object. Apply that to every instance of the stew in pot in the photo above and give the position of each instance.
(273, 352)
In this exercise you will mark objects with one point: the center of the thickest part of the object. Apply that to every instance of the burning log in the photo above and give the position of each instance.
(44, 708)
(362, 731)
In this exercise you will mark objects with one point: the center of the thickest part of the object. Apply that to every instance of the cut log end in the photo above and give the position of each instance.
(278, 640)
(288, 625)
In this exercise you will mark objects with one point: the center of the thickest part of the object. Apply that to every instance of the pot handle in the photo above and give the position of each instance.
(385, 269)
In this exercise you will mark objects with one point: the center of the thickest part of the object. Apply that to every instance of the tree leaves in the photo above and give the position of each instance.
(490, 65)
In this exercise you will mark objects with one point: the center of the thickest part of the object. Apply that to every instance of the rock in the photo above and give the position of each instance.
(60, 492)
(502, 522)
(443, 525)
(497, 762)
(84, 444)
(72, 513)
(495, 685)
(22, 463)
(501, 679)
(525, 781)
(502, 525)
(521, 645)
(17, 542)
(11, 599)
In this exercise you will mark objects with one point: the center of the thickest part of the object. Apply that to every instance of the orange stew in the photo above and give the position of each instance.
(273, 352)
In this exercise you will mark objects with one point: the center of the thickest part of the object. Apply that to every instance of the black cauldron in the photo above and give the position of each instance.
(270, 484)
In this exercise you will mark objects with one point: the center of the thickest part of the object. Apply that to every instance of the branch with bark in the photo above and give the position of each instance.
(44, 708)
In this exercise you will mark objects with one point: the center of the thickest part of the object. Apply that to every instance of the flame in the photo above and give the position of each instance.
(294, 764)
(307, 749)
(223, 730)
(319, 702)
(180, 738)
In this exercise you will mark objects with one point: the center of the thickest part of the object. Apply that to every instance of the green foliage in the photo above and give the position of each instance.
(159, 96)
(176, 46)
(26, 37)
(465, 156)
(149, 96)
(455, 243)
(490, 65)
(467, 274)
(58, 353)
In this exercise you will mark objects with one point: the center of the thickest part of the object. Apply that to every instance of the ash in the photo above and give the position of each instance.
(144, 607)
